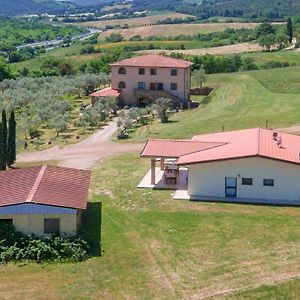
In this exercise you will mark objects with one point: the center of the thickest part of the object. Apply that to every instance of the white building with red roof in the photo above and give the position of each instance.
(141, 80)
(44, 200)
(251, 165)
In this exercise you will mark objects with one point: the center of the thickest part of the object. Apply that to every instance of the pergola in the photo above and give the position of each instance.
(162, 149)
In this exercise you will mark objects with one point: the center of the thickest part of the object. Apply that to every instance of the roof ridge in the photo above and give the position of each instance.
(36, 184)
(220, 144)
(189, 141)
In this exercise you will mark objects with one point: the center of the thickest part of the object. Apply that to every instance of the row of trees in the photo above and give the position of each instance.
(7, 141)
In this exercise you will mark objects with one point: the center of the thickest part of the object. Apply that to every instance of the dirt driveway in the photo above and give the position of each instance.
(85, 154)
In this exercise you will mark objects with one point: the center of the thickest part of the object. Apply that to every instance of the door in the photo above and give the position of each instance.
(230, 187)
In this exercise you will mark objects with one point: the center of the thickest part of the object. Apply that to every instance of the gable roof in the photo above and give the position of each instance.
(174, 148)
(246, 143)
(106, 92)
(153, 60)
(48, 185)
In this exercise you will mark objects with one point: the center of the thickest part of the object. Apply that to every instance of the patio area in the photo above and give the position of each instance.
(160, 182)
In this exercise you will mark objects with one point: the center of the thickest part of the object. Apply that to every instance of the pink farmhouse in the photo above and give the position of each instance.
(143, 79)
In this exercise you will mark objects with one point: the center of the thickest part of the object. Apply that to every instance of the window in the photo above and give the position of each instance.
(173, 72)
(160, 86)
(141, 85)
(268, 182)
(152, 86)
(122, 85)
(122, 71)
(153, 72)
(247, 181)
(51, 226)
(173, 86)
(141, 71)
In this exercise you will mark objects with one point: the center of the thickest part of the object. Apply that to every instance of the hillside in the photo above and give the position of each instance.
(253, 9)
(16, 7)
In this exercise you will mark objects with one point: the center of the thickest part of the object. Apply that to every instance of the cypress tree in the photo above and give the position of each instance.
(11, 145)
(290, 29)
(4, 140)
(2, 163)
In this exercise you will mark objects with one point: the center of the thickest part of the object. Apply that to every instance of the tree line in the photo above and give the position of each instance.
(7, 140)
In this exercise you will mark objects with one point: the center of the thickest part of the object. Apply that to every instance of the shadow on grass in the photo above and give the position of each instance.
(90, 229)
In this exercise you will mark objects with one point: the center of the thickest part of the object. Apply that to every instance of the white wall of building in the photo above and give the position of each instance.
(208, 179)
(132, 78)
(34, 224)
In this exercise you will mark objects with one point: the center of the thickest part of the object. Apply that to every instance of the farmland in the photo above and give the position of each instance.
(222, 50)
(176, 29)
(133, 22)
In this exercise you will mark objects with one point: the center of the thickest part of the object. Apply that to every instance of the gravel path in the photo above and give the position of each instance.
(85, 154)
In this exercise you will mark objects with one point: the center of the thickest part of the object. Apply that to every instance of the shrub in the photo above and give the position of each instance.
(15, 246)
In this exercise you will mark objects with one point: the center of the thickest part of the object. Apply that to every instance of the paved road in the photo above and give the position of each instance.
(85, 154)
(55, 43)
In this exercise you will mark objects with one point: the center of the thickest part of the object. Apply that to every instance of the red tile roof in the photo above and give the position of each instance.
(246, 143)
(175, 148)
(153, 60)
(107, 92)
(48, 185)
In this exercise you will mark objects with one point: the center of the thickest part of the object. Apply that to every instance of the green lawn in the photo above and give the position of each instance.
(158, 248)
(239, 101)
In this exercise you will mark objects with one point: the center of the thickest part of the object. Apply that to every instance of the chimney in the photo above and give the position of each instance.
(275, 135)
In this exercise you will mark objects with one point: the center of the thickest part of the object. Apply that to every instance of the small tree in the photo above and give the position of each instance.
(199, 77)
(290, 29)
(2, 161)
(163, 108)
(59, 124)
(267, 41)
(11, 146)
(4, 141)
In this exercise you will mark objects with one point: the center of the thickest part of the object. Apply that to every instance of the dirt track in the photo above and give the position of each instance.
(85, 154)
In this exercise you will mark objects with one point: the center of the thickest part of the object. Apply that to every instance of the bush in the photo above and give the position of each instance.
(35, 133)
(15, 246)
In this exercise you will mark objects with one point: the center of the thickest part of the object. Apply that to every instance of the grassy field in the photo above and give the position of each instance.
(240, 100)
(221, 50)
(292, 57)
(134, 22)
(176, 29)
(157, 248)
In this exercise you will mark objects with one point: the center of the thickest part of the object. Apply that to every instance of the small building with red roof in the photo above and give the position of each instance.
(251, 165)
(142, 79)
(44, 200)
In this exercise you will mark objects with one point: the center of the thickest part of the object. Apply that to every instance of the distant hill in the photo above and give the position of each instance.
(90, 2)
(254, 9)
(17, 7)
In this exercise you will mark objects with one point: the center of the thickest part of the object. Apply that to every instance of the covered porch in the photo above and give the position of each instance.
(164, 174)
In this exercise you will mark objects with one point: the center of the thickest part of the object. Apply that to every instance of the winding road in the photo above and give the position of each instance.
(84, 154)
